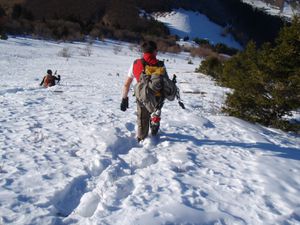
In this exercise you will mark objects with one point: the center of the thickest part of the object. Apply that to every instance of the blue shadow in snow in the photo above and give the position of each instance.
(68, 199)
(284, 152)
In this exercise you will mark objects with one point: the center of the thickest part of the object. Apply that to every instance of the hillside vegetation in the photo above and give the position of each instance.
(72, 19)
(265, 81)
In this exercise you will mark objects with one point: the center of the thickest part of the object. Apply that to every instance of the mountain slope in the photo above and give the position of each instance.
(282, 8)
(191, 24)
(71, 157)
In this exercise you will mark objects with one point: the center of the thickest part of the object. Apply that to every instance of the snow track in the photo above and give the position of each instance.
(71, 157)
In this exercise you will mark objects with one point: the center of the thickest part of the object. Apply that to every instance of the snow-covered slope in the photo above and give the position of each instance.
(287, 10)
(71, 157)
(194, 24)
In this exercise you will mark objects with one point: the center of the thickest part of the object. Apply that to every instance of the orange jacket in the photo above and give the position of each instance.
(49, 80)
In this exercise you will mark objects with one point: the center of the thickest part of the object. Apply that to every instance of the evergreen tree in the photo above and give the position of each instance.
(212, 66)
(2, 23)
(283, 68)
(242, 74)
(266, 82)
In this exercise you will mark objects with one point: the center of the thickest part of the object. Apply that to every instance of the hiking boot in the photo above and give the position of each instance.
(154, 129)
(155, 122)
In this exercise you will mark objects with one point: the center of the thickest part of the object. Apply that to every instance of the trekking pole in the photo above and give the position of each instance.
(178, 93)
(174, 79)
(58, 76)
(180, 102)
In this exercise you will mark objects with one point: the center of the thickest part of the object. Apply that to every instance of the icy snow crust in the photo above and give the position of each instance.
(71, 157)
(194, 24)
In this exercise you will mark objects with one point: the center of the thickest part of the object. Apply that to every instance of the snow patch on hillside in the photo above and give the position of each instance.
(194, 24)
(287, 11)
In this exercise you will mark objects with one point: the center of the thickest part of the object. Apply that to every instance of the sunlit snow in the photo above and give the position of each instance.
(191, 24)
(69, 155)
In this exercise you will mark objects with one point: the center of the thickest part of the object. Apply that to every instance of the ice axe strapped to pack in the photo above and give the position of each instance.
(180, 102)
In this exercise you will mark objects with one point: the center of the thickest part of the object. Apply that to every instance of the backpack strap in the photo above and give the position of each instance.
(144, 64)
(159, 63)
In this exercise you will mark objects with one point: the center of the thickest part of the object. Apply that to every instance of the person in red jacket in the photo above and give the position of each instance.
(149, 49)
(49, 79)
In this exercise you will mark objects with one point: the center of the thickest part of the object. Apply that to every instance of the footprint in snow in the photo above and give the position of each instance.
(88, 204)
(68, 199)
(129, 126)
(115, 195)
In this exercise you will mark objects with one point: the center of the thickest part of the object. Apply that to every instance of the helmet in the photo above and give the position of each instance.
(49, 72)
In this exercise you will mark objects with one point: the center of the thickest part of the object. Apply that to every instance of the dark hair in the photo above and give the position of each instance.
(49, 72)
(149, 46)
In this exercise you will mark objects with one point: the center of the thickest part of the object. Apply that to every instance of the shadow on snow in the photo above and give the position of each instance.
(284, 152)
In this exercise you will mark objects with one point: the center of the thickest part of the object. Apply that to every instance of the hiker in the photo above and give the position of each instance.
(49, 79)
(149, 102)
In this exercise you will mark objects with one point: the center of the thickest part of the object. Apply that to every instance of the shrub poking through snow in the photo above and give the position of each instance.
(65, 52)
(3, 36)
(117, 49)
(211, 66)
(87, 51)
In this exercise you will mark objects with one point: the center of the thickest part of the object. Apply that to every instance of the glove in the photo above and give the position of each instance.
(174, 79)
(124, 104)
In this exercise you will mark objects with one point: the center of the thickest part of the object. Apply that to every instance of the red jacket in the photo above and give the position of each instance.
(138, 66)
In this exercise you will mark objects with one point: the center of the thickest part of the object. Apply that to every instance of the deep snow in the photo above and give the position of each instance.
(71, 157)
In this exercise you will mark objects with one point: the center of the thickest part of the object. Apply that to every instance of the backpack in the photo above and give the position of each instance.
(154, 86)
(49, 81)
